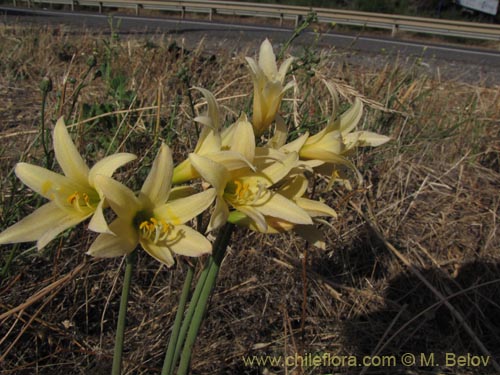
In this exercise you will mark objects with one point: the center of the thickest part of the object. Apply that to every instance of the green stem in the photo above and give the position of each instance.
(310, 18)
(169, 356)
(219, 251)
(120, 326)
(189, 315)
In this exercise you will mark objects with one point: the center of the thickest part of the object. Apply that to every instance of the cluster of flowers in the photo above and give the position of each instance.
(261, 187)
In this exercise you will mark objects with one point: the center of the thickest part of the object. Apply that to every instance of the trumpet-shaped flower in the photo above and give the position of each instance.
(73, 196)
(149, 219)
(268, 86)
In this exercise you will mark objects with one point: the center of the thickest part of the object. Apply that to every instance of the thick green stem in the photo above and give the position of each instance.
(189, 314)
(169, 356)
(120, 326)
(219, 251)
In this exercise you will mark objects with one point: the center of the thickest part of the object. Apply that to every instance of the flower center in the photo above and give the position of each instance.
(155, 230)
(243, 193)
(79, 201)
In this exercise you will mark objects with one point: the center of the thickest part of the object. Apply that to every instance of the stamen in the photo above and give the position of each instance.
(245, 192)
(73, 197)
(79, 200)
(160, 229)
(86, 199)
(261, 190)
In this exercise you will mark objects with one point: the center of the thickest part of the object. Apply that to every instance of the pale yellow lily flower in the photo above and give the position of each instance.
(73, 196)
(330, 146)
(214, 143)
(294, 189)
(338, 138)
(150, 220)
(268, 86)
(250, 192)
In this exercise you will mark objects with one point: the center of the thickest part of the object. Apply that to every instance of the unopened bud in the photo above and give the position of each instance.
(46, 84)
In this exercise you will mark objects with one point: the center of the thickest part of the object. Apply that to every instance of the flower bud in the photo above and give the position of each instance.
(46, 84)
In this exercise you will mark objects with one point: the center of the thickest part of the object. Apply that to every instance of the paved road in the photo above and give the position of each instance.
(471, 65)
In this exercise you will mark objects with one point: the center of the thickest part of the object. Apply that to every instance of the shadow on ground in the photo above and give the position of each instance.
(416, 321)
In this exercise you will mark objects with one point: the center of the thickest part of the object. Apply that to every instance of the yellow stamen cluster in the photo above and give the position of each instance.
(78, 200)
(244, 193)
(155, 230)
(242, 190)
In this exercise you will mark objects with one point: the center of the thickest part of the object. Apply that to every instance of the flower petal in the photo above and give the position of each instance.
(280, 134)
(295, 188)
(365, 138)
(215, 174)
(204, 120)
(43, 225)
(230, 160)
(157, 184)
(184, 172)
(258, 219)
(45, 182)
(283, 208)
(296, 145)
(285, 65)
(161, 253)
(213, 109)
(267, 60)
(278, 170)
(241, 139)
(181, 192)
(315, 208)
(191, 243)
(68, 156)
(98, 221)
(109, 165)
(255, 71)
(109, 245)
(182, 210)
(329, 147)
(208, 142)
(350, 118)
(121, 199)
(219, 215)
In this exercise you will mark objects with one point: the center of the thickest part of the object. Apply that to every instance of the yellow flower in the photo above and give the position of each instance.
(73, 196)
(338, 138)
(150, 220)
(268, 87)
(329, 147)
(293, 189)
(250, 192)
(213, 142)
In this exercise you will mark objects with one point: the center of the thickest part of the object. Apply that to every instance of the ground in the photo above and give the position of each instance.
(411, 264)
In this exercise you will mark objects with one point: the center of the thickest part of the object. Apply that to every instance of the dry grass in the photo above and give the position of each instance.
(418, 237)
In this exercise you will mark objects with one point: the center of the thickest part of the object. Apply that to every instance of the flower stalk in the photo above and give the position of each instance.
(173, 342)
(212, 270)
(122, 314)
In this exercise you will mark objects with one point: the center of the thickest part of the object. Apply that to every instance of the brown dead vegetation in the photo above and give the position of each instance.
(419, 236)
